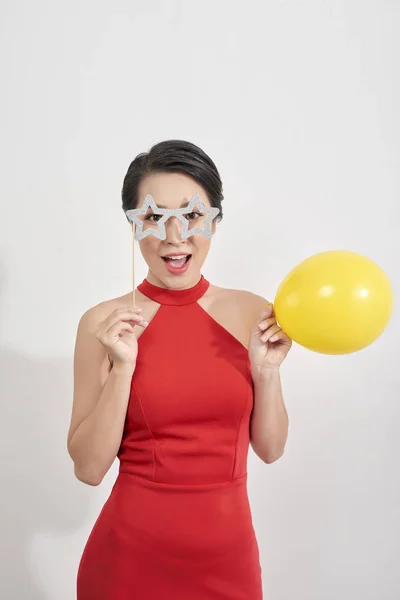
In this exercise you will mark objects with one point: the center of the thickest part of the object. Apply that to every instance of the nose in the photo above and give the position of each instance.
(173, 230)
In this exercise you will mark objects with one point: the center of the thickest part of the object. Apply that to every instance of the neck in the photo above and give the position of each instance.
(173, 283)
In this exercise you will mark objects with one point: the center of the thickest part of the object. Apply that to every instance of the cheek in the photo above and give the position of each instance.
(149, 247)
(201, 244)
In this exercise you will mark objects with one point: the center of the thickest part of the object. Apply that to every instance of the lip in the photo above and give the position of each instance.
(174, 270)
(175, 254)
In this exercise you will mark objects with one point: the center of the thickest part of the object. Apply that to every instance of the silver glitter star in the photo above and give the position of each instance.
(160, 232)
(210, 211)
(133, 218)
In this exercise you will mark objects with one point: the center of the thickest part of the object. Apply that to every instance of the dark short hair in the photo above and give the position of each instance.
(173, 156)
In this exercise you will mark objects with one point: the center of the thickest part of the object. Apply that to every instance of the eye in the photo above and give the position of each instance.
(193, 215)
(153, 217)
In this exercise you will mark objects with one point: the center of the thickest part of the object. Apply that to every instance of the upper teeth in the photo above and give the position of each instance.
(177, 257)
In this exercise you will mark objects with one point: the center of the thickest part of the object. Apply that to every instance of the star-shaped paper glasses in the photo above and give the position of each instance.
(210, 211)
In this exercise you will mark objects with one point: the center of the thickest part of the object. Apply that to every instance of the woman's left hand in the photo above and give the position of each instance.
(269, 345)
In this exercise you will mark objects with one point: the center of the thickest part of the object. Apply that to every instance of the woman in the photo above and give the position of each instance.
(176, 387)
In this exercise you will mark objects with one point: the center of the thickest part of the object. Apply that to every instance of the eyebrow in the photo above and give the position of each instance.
(184, 203)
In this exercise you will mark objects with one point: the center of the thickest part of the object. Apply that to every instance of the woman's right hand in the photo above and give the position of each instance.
(117, 335)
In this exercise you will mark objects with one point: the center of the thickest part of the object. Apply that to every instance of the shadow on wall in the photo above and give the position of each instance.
(39, 493)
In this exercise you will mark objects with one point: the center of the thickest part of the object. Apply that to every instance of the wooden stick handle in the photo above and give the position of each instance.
(133, 264)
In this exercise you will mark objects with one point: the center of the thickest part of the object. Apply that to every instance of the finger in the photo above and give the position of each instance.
(127, 316)
(120, 314)
(263, 325)
(131, 321)
(281, 336)
(268, 312)
(109, 336)
(117, 330)
(124, 327)
(140, 323)
(113, 330)
(272, 331)
(123, 309)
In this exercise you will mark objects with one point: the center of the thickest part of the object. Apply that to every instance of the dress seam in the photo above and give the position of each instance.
(149, 428)
(183, 485)
(237, 435)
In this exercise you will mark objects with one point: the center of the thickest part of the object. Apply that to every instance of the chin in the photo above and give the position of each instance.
(177, 280)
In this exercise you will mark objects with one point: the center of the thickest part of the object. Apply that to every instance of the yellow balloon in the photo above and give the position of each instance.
(334, 302)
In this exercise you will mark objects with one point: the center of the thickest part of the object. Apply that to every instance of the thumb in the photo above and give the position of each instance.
(267, 313)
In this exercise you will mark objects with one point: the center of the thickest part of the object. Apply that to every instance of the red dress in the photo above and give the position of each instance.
(177, 524)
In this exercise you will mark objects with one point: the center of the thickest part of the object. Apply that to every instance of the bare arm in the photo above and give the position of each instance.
(101, 396)
(269, 423)
(268, 347)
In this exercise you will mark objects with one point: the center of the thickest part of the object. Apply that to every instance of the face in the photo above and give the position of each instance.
(171, 191)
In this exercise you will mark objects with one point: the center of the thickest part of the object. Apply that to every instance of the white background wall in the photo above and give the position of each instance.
(297, 103)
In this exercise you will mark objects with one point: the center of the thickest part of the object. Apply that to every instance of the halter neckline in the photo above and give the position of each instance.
(170, 297)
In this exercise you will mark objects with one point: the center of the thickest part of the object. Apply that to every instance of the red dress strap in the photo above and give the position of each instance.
(170, 297)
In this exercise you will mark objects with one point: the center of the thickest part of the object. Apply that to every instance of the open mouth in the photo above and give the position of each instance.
(178, 261)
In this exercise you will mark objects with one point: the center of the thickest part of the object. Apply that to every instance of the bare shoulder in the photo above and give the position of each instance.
(244, 302)
(97, 313)
(240, 308)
